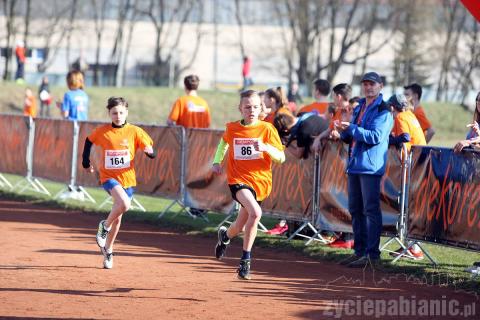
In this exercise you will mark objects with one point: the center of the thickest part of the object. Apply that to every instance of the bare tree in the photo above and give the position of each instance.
(26, 31)
(238, 17)
(70, 28)
(454, 23)
(343, 28)
(132, 21)
(56, 27)
(9, 10)
(99, 12)
(169, 19)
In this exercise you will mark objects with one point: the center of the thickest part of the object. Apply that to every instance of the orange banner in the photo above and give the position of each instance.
(292, 190)
(13, 142)
(53, 149)
(205, 190)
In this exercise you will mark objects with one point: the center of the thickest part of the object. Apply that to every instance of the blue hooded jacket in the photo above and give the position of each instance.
(369, 138)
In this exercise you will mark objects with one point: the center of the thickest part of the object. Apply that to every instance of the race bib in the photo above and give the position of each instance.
(117, 159)
(243, 149)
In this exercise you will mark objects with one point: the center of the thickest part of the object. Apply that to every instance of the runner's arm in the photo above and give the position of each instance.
(86, 153)
(221, 150)
(276, 155)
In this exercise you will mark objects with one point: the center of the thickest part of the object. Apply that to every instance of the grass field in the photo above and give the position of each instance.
(151, 105)
(449, 271)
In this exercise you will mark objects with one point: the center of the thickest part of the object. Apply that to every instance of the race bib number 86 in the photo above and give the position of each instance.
(117, 159)
(243, 149)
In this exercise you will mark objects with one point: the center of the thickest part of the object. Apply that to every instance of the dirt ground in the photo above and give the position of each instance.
(50, 267)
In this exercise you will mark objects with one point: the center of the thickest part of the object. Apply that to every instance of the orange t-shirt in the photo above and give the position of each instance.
(336, 116)
(190, 112)
(269, 118)
(118, 147)
(406, 122)
(244, 164)
(422, 118)
(30, 107)
(321, 107)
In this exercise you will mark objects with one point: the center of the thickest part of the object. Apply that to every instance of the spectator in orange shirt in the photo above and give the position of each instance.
(30, 104)
(275, 102)
(320, 91)
(341, 96)
(413, 92)
(20, 55)
(406, 127)
(190, 110)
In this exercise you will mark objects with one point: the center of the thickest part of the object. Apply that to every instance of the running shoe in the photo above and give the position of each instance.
(221, 247)
(102, 234)
(244, 270)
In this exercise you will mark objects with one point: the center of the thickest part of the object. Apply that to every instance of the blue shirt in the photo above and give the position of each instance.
(75, 102)
(369, 137)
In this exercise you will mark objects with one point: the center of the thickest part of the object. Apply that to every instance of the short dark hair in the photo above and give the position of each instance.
(116, 101)
(249, 93)
(323, 86)
(191, 82)
(344, 90)
(332, 108)
(416, 88)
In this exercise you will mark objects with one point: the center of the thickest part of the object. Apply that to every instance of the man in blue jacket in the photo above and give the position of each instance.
(367, 136)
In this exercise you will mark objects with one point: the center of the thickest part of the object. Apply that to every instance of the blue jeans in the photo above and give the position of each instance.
(364, 206)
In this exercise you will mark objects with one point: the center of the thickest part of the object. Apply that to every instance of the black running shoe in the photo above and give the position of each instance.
(244, 270)
(221, 246)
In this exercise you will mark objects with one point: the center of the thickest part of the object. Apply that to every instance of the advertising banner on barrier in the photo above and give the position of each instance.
(14, 142)
(159, 176)
(444, 197)
(203, 189)
(54, 138)
(333, 194)
(292, 191)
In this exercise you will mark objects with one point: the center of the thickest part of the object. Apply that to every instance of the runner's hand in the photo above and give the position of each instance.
(217, 168)
(259, 146)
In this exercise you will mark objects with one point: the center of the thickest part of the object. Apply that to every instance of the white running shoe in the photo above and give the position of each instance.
(108, 260)
(102, 234)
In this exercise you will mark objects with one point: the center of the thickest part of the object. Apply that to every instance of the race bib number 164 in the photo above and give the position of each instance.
(117, 159)
(243, 149)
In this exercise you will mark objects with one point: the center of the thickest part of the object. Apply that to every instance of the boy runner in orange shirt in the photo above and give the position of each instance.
(252, 145)
(190, 111)
(413, 92)
(118, 142)
(321, 91)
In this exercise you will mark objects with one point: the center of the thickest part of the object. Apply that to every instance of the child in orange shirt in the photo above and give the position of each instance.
(118, 142)
(190, 111)
(30, 104)
(406, 128)
(413, 92)
(274, 102)
(252, 145)
(320, 91)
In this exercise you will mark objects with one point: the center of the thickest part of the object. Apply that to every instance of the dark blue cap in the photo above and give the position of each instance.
(372, 76)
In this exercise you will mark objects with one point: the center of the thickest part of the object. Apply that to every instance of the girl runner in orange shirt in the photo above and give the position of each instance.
(252, 146)
(118, 142)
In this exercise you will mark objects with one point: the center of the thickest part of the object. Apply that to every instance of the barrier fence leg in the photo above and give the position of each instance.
(168, 208)
(231, 213)
(86, 194)
(406, 253)
(137, 205)
(4, 182)
(262, 227)
(108, 200)
(32, 184)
